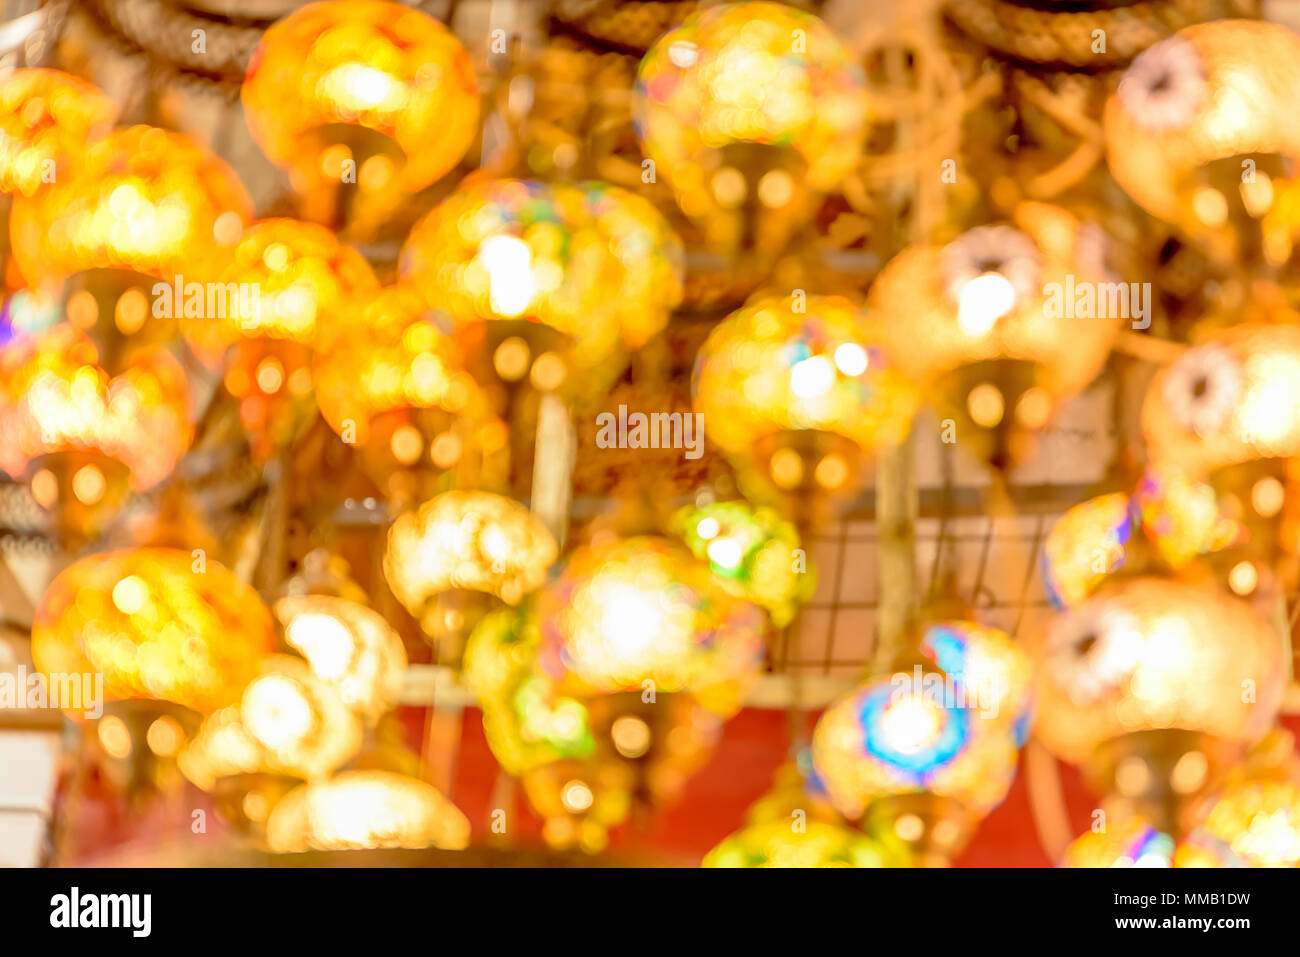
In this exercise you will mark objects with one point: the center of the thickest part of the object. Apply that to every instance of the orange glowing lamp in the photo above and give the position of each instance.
(396, 388)
(290, 287)
(330, 73)
(47, 117)
(158, 623)
(141, 199)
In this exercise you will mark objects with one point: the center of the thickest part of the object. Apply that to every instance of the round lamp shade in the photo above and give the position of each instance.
(1219, 92)
(366, 809)
(47, 117)
(142, 199)
(159, 623)
(474, 540)
(750, 73)
(628, 611)
(1147, 654)
(332, 70)
(1231, 399)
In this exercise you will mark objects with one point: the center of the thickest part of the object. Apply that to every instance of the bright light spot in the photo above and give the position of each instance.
(812, 377)
(325, 642)
(911, 723)
(576, 797)
(983, 301)
(725, 552)
(508, 262)
(851, 358)
(130, 594)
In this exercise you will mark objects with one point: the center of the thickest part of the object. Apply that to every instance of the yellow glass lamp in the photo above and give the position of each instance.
(527, 720)
(1085, 545)
(749, 110)
(143, 199)
(798, 391)
(1226, 414)
(1231, 399)
(1155, 684)
(1200, 131)
(788, 827)
(158, 623)
(288, 721)
(644, 752)
(1002, 324)
(47, 118)
(777, 844)
(528, 279)
(752, 552)
(465, 541)
(545, 737)
(376, 94)
(356, 810)
(291, 287)
(1259, 820)
(650, 256)
(81, 436)
(621, 613)
(397, 389)
(1131, 842)
(916, 765)
(348, 645)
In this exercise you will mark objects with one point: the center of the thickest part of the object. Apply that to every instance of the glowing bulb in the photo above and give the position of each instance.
(576, 797)
(708, 528)
(851, 358)
(725, 552)
(984, 300)
(812, 377)
(1267, 497)
(508, 262)
(130, 594)
(985, 405)
(325, 642)
(911, 723)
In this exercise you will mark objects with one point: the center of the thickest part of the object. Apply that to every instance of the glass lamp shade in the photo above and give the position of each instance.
(55, 397)
(890, 738)
(1184, 518)
(527, 719)
(331, 71)
(781, 364)
(1003, 323)
(1258, 820)
(751, 552)
(389, 358)
(1213, 93)
(47, 118)
(627, 611)
(365, 809)
(1127, 843)
(478, 541)
(349, 645)
(749, 74)
(159, 623)
(285, 281)
(1085, 545)
(394, 387)
(1231, 399)
(142, 199)
(778, 844)
(528, 259)
(986, 667)
(649, 254)
(1147, 654)
(288, 721)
